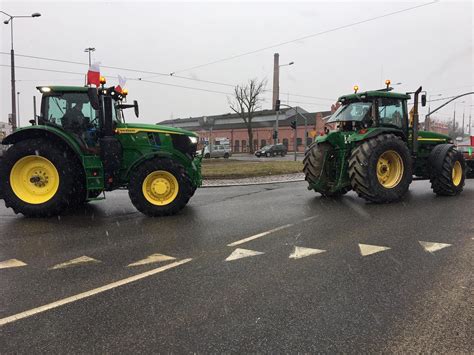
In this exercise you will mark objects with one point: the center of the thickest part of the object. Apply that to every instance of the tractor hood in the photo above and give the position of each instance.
(139, 127)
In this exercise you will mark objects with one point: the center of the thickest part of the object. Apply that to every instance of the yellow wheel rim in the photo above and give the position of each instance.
(457, 173)
(160, 188)
(34, 179)
(390, 169)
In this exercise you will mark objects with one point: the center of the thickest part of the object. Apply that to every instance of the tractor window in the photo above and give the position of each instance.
(70, 111)
(355, 111)
(391, 112)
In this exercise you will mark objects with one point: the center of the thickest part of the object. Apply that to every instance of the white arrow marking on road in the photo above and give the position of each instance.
(431, 247)
(77, 261)
(242, 253)
(11, 263)
(301, 252)
(90, 293)
(367, 249)
(256, 236)
(153, 258)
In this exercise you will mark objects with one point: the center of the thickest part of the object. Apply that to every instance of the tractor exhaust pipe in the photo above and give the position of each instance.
(415, 123)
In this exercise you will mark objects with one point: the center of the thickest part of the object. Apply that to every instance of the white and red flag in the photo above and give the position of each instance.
(121, 84)
(93, 75)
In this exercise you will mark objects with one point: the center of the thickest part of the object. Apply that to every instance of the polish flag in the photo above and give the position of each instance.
(122, 80)
(93, 75)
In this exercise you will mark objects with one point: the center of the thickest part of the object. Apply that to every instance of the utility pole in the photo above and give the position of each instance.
(89, 50)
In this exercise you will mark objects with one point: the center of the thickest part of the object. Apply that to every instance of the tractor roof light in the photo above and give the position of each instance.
(125, 92)
(102, 80)
(356, 88)
(387, 82)
(45, 89)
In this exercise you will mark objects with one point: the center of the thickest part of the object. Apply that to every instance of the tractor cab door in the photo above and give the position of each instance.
(392, 113)
(72, 111)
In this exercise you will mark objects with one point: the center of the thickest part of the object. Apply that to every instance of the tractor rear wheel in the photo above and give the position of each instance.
(380, 169)
(160, 187)
(447, 171)
(313, 166)
(39, 179)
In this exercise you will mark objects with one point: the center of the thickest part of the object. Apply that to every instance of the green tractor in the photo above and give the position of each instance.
(80, 146)
(377, 148)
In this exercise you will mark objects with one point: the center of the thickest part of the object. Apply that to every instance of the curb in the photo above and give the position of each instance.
(252, 183)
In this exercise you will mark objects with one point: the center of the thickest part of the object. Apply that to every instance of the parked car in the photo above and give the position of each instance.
(217, 151)
(272, 150)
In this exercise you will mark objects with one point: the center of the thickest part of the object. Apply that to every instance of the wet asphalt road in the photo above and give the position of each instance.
(402, 299)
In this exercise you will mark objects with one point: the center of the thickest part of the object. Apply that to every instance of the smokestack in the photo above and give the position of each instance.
(276, 79)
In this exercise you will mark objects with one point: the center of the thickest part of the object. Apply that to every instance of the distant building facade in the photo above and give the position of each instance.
(231, 127)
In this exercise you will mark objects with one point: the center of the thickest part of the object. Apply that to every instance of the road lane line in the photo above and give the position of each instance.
(431, 247)
(77, 261)
(256, 236)
(153, 258)
(11, 263)
(90, 293)
(302, 252)
(242, 253)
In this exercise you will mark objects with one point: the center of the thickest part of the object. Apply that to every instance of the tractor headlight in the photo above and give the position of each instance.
(193, 140)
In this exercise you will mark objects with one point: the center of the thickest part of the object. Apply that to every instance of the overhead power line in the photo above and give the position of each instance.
(304, 37)
(139, 71)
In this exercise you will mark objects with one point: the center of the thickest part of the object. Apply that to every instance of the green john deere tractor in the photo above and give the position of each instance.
(80, 146)
(377, 149)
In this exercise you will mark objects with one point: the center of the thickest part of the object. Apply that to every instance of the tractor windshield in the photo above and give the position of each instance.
(355, 111)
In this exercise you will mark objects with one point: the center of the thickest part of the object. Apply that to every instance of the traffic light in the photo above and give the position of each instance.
(275, 135)
(277, 105)
(293, 124)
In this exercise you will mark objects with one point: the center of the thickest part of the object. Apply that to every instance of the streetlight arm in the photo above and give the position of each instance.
(3, 12)
(447, 102)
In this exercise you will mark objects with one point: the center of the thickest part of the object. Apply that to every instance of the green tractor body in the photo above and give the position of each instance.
(81, 146)
(377, 148)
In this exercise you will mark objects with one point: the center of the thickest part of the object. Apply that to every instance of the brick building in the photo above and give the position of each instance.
(232, 127)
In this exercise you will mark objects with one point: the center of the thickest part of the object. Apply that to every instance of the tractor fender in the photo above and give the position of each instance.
(49, 133)
(149, 156)
(436, 157)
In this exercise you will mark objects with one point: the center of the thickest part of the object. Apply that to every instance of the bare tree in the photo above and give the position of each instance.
(246, 100)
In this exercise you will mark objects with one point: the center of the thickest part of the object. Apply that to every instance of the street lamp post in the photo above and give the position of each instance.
(276, 88)
(89, 50)
(18, 103)
(12, 65)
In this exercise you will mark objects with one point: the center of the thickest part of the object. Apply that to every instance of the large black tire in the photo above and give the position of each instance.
(445, 178)
(366, 159)
(313, 168)
(69, 171)
(139, 200)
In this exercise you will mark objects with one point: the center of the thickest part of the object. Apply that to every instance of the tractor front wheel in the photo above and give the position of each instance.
(380, 169)
(160, 187)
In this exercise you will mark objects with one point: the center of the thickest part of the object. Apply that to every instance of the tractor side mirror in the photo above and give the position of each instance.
(423, 100)
(135, 107)
(93, 98)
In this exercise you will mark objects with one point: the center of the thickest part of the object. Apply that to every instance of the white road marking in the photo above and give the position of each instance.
(11, 263)
(367, 249)
(309, 218)
(77, 261)
(301, 252)
(256, 236)
(431, 247)
(242, 253)
(153, 258)
(90, 293)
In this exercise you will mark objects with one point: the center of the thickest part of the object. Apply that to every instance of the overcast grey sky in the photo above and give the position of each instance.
(430, 46)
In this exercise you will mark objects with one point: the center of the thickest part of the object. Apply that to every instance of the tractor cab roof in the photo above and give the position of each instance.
(55, 88)
(362, 96)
